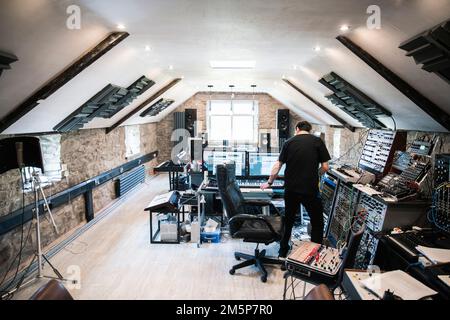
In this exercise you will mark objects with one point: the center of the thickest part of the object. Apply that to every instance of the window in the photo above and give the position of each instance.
(235, 121)
(132, 141)
(337, 143)
(51, 157)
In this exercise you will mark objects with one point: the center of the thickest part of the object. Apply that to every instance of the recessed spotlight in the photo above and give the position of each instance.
(344, 28)
(171, 67)
(295, 67)
(147, 48)
(120, 26)
(283, 76)
(317, 48)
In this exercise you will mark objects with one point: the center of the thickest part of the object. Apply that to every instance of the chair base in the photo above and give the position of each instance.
(259, 259)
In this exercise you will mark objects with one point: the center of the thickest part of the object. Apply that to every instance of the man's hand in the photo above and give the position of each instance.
(265, 186)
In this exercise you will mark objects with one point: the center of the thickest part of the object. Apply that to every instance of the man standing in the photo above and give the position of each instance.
(302, 155)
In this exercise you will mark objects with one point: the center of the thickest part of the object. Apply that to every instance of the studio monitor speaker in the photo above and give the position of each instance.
(190, 117)
(264, 142)
(283, 123)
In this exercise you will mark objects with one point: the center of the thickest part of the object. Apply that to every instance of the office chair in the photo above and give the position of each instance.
(348, 261)
(247, 222)
(52, 290)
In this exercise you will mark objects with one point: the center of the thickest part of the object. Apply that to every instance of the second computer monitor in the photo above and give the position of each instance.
(261, 164)
(213, 158)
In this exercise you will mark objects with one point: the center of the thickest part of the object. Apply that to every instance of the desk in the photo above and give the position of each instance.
(390, 257)
(352, 287)
(173, 170)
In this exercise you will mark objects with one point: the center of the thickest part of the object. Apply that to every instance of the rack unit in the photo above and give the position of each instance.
(342, 213)
(379, 150)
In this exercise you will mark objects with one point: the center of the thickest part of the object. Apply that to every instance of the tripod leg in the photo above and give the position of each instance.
(48, 209)
(53, 268)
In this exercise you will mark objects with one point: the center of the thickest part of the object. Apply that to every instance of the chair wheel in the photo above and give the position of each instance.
(264, 279)
(232, 271)
(283, 267)
(237, 258)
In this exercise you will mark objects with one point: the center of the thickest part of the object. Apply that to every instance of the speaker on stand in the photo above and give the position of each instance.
(283, 126)
(264, 143)
(190, 118)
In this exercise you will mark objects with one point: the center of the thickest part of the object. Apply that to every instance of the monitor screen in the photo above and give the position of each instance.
(261, 164)
(213, 158)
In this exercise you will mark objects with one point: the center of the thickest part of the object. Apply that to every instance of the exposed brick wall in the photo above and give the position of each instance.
(87, 153)
(268, 107)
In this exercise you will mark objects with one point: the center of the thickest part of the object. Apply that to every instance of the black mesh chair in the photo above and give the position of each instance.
(247, 222)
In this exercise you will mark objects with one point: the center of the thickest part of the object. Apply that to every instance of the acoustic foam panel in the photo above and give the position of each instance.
(105, 104)
(431, 49)
(157, 107)
(354, 102)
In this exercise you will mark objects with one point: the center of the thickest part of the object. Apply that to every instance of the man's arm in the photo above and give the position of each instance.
(324, 168)
(273, 175)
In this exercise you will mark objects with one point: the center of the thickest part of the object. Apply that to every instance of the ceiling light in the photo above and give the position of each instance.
(295, 67)
(344, 28)
(236, 64)
(171, 67)
(147, 48)
(120, 26)
(283, 77)
(317, 48)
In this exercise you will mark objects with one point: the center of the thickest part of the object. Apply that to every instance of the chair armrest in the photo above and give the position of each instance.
(241, 218)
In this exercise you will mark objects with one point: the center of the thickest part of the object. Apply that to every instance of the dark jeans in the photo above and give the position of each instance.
(312, 204)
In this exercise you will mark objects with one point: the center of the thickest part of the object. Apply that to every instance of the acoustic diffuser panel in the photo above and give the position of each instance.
(431, 49)
(157, 107)
(5, 60)
(105, 104)
(354, 102)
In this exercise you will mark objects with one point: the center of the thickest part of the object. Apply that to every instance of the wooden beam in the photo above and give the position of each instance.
(321, 106)
(144, 104)
(62, 78)
(439, 115)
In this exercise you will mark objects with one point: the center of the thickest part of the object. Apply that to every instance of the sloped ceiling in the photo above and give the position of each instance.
(278, 35)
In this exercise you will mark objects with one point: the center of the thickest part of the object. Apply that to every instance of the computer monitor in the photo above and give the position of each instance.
(261, 164)
(213, 158)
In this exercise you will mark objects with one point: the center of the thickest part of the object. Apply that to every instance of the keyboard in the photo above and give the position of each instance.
(252, 184)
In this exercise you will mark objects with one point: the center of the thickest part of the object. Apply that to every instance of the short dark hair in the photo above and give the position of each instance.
(304, 126)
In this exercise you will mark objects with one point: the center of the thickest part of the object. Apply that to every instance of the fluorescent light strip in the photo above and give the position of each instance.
(229, 64)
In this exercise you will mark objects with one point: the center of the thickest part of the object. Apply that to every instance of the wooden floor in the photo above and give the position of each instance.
(117, 261)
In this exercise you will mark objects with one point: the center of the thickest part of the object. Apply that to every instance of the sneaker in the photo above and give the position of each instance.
(283, 253)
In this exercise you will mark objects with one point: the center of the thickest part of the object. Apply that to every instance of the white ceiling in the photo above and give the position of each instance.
(188, 34)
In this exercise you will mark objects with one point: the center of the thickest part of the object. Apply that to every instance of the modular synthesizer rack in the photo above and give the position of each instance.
(328, 189)
(379, 150)
(343, 212)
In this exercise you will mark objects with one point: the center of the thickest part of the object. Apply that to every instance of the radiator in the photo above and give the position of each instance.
(129, 180)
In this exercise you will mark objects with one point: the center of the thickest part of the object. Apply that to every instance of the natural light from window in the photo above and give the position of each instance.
(234, 121)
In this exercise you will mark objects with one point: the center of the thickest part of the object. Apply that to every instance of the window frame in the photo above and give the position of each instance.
(232, 115)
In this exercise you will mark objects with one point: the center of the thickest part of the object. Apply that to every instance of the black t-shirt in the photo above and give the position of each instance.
(302, 155)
